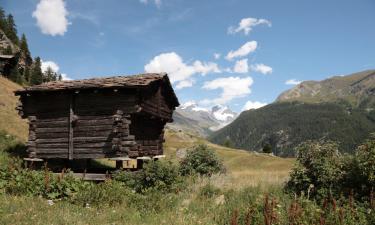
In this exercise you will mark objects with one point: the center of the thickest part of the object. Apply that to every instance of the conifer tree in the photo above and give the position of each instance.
(2, 19)
(15, 75)
(26, 74)
(49, 75)
(36, 72)
(25, 50)
(11, 30)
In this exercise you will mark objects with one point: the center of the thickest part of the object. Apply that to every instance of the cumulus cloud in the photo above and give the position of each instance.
(217, 55)
(51, 17)
(253, 105)
(247, 24)
(65, 77)
(177, 70)
(261, 68)
(244, 50)
(54, 67)
(232, 87)
(184, 84)
(45, 64)
(241, 66)
(292, 82)
(156, 2)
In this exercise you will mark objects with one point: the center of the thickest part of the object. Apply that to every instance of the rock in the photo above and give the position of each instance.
(181, 153)
(220, 200)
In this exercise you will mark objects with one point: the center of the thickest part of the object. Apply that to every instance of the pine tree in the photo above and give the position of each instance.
(11, 30)
(2, 19)
(15, 75)
(26, 74)
(25, 50)
(36, 72)
(49, 75)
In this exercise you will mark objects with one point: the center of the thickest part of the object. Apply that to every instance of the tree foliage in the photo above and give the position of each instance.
(36, 76)
(322, 171)
(201, 160)
(285, 125)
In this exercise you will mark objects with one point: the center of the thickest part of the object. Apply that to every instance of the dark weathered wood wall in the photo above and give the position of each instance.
(97, 123)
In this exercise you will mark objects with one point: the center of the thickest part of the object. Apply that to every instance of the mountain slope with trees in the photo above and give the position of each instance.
(16, 62)
(346, 115)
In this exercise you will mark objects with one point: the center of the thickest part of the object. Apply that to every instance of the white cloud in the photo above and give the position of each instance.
(184, 84)
(244, 50)
(253, 105)
(261, 68)
(241, 66)
(177, 70)
(217, 55)
(156, 2)
(65, 77)
(205, 68)
(45, 64)
(232, 87)
(51, 17)
(292, 82)
(54, 67)
(247, 24)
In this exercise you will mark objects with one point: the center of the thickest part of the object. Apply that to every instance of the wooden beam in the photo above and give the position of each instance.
(71, 118)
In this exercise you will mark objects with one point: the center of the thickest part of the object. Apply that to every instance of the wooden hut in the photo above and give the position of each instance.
(110, 117)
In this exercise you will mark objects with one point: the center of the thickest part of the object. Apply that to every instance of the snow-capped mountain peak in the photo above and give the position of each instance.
(202, 119)
(223, 113)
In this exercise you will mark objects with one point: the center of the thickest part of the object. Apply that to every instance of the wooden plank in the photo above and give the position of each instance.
(53, 130)
(71, 115)
(97, 127)
(53, 145)
(93, 145)
(53, 140)
(90, 133)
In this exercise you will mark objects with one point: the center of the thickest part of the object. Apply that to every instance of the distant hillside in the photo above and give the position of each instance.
(339, 109)
(9, 119)
(357, 89)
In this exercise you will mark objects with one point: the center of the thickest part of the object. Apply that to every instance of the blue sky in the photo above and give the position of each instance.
(297, 39)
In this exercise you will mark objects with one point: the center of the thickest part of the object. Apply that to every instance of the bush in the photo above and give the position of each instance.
(159, 175)
(267, 148)
(18, 181)
(360, 169)
(318, 170)
(201, 160)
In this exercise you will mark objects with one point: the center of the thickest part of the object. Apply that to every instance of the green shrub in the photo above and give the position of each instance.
(201, 160)
(17, 181)
(360, 169)
(159, 175)
(267, 148)
(318, 170)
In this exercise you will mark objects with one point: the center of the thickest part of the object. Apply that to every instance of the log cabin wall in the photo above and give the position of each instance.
(98, 118)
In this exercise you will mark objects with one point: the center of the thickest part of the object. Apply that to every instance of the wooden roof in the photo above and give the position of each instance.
(132, 81)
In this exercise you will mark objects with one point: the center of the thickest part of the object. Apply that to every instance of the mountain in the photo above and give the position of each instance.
(356, 89)
(201, 121)
(340, 108)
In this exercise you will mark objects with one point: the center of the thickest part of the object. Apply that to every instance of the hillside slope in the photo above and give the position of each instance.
(10, 122)
(339, 109)
(357, 89)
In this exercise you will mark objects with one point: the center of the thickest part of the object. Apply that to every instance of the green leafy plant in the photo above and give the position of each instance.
(201, 160)
(159, 175)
